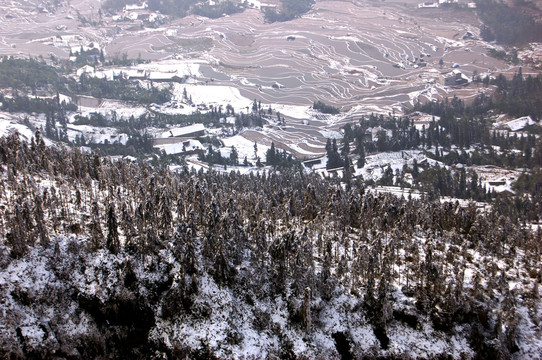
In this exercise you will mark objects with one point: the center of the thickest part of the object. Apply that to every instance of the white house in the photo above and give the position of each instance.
(185, 131)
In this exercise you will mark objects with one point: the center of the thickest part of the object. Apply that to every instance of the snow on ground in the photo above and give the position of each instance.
(495, 178)
(120, 109)
(9, 124)
(35, 277)
(181, 147)
(293, 111)
(245, 147)
(528, 331)
(65, 98)
(155, 70)
(215, 95)
(220, 314)
(302, 151)
(110, 108)
(424, 120)
(369, 108)
(404, 193)
(96, 135)
(376, 164)
(331, 134)
(427, 343)
(180, 67)
(108, 74)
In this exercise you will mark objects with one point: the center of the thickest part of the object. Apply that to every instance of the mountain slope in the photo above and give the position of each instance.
(103, 258)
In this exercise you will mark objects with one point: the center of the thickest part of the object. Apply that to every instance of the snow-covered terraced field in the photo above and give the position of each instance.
(360, 56)
(341, 52)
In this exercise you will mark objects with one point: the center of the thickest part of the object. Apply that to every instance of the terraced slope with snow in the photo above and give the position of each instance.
(358, 55)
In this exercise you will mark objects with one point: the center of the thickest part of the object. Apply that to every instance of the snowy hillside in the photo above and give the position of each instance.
(102, 259)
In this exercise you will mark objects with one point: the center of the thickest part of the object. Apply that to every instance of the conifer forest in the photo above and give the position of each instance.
(288, 179)
(278, 258)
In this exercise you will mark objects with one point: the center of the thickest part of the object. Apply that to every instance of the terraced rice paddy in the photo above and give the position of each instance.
(361, 56)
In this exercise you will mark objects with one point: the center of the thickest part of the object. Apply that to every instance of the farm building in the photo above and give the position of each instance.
(456, 78)
(190, 131)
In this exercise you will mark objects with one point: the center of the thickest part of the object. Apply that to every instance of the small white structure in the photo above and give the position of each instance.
(166, 76)
(428, 5)
(520, 123)
(133, 7)
(185, 131)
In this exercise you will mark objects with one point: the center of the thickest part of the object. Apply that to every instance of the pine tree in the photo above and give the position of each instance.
(96, 234)
(326, 283)
(164, 213)
(306, 310)
(112, 241)
(234, 156)
(39, 216)
(270, 156)
(347, 175)
(17, 236)
(361, 159)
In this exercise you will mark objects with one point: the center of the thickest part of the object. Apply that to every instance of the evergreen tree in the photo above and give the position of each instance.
(112, 241)
(234, 156)
(96, 234)
(41, 226)
(270, 156)
(361, 159)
